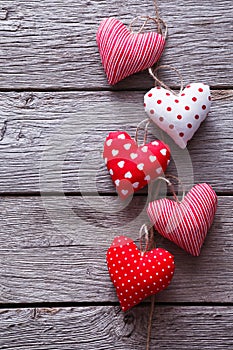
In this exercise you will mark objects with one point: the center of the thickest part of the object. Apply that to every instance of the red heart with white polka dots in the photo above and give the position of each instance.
(136, 275)
(188, 222)
(179, 116)
(124, 53)
(131, 166)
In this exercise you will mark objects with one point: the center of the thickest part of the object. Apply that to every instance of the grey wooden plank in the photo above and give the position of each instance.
(51, 44)
(107, 328)
(56, 257)
(54, 141)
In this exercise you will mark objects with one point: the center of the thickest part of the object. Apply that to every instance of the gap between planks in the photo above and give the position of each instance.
(104, 89)
(106, 303)
(105, 327)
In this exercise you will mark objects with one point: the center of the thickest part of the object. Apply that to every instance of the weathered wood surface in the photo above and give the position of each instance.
(105, 327)
(52, 248)
(51, 44)
(61, 136)
(54, 257)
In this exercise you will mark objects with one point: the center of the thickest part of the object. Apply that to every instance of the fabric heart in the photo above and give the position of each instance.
(124, 53)
(131, 166)
(186, 223)
(135, 274)
(179, 116)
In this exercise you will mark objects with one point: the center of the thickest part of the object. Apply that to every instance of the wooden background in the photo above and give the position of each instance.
(56, 109)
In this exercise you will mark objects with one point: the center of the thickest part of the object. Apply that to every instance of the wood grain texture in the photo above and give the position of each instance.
(102, 328)
(52, 248)
(60, 136)
(55, 257)
(51, 44)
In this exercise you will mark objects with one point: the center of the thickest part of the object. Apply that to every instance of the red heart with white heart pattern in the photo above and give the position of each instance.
(136, 275)
(185, 223)
(131, 166)
(179, 116)
(124, 53)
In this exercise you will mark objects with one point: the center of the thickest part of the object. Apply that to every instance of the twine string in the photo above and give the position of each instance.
(147, 120)
(144, 236)
(146, 132)
(161, 24)
(162, 27)
(170, 184)
(157, 17)
(147, 19)
(147, 235)
(149, 328)
(152, 306)
(161, 83)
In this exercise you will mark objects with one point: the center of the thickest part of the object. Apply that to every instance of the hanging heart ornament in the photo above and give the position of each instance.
(185, 223)
(124, 53)
(131, 166)
(179, 115)
(135, 274)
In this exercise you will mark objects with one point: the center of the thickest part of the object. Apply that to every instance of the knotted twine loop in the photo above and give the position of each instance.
(153, 72)
(159, 82)
(146, 235)
(162, 27)
(166, 179)
(147, 121)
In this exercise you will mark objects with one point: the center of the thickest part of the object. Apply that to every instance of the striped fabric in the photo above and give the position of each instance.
(186, 223)
(124, 53)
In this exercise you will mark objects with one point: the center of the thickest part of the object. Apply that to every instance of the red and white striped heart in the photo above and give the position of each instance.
(179, 116)
(137, 275)
(186, 223)
(131, 166)
(124, 53)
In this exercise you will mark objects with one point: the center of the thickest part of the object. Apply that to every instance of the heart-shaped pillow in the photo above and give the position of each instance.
(137, 275)
(186, 223)
(124, 53)
(131, 166)
(179, 116)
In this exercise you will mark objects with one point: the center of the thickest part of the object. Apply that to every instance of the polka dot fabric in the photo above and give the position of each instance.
(186, 223)
(179, 116)
(124, 53)
(137, 275)
(132, 167)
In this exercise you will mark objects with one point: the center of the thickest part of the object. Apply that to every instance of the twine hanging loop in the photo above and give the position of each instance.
(162, 27)
(170, 184)
(159, 82)
(145, 128)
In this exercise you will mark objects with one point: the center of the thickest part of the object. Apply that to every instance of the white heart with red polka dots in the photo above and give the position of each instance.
(179, 115)
(135, 274)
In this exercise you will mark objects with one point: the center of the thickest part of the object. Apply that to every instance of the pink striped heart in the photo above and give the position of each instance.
(186, 223)
(124, 53)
